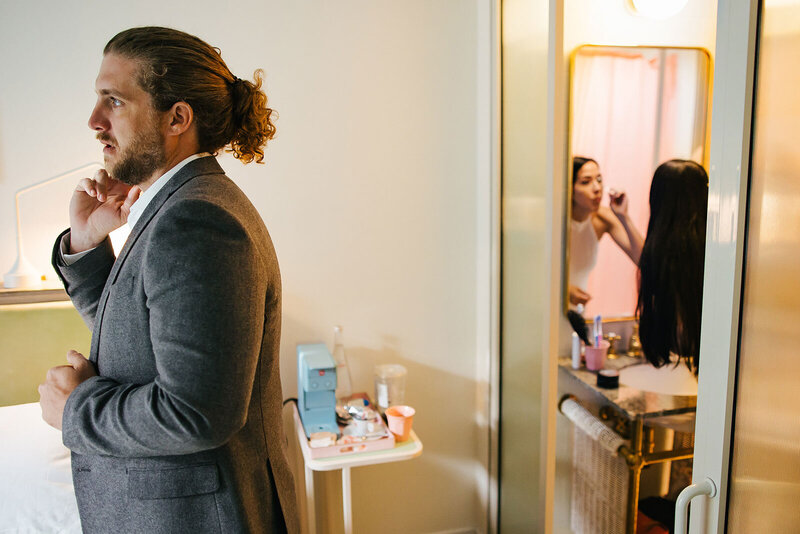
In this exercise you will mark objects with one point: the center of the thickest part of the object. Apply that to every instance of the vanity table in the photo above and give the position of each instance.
(631, 413)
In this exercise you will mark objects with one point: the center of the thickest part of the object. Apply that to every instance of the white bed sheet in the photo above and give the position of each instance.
(36, 494)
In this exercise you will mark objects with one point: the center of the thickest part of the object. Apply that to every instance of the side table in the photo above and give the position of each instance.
(401, 451)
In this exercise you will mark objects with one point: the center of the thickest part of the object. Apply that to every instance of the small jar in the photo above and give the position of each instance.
(390, 385)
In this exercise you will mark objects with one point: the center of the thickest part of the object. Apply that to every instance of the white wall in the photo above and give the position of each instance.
(370, 192)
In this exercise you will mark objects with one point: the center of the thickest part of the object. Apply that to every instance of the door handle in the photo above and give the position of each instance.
(706, 487)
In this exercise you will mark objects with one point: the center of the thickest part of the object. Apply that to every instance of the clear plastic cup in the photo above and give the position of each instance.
(390, 385)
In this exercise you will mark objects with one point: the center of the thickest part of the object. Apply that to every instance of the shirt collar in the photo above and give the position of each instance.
(144, 199)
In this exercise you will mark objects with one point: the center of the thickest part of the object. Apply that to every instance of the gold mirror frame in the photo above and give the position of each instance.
(708, 72)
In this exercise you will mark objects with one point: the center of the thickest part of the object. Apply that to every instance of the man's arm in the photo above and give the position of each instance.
(205, 286)
(84, 280)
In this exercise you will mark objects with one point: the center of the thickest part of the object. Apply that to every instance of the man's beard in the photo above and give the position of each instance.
(140, 159)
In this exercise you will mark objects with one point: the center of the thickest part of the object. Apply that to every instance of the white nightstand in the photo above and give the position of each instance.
(401, 451)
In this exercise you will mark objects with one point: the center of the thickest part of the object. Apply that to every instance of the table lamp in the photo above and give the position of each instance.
(23, 274)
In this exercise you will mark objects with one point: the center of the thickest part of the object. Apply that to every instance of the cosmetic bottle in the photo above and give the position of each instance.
(576, 351)
(344, 385)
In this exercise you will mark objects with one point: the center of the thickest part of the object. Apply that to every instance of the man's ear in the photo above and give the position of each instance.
(180, 117)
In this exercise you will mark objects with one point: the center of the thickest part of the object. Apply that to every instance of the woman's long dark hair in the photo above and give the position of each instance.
(671, 265)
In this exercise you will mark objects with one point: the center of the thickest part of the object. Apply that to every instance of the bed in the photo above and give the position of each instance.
(36, 492)
(36, 495)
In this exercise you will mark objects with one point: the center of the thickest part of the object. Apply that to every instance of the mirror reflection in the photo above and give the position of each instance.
(631, 109)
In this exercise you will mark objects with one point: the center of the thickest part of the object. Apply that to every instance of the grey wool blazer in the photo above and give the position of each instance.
(181, 432)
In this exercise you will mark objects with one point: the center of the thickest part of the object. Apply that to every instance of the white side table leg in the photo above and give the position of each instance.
(347, 501)
(311, 511)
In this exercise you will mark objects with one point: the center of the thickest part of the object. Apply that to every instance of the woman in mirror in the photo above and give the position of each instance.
(590, 221)
(671, 265)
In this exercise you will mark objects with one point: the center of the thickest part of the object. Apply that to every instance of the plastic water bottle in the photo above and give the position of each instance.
(344, 383)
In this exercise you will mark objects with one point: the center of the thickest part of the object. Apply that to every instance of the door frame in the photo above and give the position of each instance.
(730, 150)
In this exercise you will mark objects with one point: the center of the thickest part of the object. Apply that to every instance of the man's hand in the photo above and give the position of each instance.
(59, 383)
(99, 206)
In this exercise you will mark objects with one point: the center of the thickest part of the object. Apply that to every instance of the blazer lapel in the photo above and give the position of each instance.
(198, 167)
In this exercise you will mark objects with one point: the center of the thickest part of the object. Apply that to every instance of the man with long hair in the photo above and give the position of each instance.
(174, 420)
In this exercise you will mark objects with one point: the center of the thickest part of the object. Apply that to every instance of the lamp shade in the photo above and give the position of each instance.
(24, 275)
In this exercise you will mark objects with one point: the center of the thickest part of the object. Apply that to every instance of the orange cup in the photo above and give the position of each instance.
(400, 419)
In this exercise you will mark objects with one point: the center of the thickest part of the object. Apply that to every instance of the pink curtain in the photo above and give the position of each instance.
(614, 106)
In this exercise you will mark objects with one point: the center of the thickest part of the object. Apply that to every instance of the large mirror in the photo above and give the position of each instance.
(631, 109)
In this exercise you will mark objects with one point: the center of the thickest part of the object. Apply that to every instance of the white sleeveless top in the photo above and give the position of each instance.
(582, 252)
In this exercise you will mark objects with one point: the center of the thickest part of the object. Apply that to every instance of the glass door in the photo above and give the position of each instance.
(748, 425)
(764, 482)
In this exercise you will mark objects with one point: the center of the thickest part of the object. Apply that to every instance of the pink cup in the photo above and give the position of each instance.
(400, 419)
(596, 356)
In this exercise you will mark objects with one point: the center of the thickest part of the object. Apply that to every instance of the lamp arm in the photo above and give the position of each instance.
(20, 250)
(57, 177)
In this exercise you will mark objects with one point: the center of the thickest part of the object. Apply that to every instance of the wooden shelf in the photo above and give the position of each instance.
(30, 296)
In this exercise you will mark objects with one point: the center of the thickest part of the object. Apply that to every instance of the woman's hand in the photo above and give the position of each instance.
(622, 230)
(578, 295)
(618, 201)
(99, 206)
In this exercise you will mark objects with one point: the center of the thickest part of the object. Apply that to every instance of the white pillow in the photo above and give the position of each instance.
(36, 494)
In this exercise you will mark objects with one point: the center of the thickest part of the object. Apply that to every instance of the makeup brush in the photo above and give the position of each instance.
(579, 325)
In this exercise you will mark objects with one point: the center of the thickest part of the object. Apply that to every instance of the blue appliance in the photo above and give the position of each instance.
(316, 389)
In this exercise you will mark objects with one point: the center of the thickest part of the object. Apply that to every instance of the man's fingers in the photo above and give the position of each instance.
(76, 359)
(58, 374)
(101, 186)
(87, 185)
(80, 365)
(101, 180)
(101, 175)
(133, 196)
